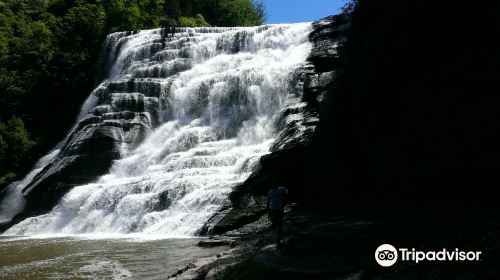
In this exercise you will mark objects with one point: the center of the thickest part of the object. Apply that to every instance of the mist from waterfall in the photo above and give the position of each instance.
(214, 96)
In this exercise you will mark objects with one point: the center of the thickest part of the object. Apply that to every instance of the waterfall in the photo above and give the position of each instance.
(213, 97)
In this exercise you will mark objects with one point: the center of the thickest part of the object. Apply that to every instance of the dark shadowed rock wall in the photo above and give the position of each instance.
(412, 122)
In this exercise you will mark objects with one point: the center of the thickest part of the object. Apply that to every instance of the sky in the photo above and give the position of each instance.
(288, 11)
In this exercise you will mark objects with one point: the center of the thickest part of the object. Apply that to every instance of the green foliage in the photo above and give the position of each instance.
(87, 24)
(198, 21)
(17, 137)
(224, 12)
(7, 178)
(15, 144)
(259, 11)
(241, 12)
(3, 151)
(132, 15)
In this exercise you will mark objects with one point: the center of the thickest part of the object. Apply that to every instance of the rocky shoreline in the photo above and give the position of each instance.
(324, 245)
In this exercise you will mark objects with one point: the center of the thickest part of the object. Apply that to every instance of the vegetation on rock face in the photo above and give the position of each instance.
(48, 50)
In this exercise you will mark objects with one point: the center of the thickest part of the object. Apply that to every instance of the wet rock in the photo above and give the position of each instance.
(5, 225)
(61, 175)
(238, 217)
(214, 242)
(95, 139)
(328, 35)
(119, 122)
(298, 121)
(245, 208)
(298, 125)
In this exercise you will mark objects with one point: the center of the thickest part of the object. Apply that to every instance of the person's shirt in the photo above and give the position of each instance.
(277, 198)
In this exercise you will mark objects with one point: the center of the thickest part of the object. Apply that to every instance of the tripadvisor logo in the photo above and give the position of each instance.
(387, 255)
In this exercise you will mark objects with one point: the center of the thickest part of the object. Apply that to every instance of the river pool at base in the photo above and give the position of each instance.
(84, 258)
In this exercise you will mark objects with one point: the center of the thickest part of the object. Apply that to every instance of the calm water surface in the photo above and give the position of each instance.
(82, 258)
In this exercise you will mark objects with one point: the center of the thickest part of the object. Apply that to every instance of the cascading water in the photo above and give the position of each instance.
(214, 95)
(13, 201)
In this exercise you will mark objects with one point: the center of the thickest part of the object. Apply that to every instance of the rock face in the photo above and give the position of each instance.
(290, 151)
(120, 120)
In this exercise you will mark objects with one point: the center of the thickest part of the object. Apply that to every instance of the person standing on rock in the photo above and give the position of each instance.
(276, 206)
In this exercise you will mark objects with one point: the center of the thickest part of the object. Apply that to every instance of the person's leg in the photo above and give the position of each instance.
(279, 227)
(275, 219)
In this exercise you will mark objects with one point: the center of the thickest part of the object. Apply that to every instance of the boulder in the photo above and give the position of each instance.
(245, 209)
(214, 242)
(88, 155)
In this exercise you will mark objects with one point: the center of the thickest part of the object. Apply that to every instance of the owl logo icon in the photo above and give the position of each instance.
(386, 255)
